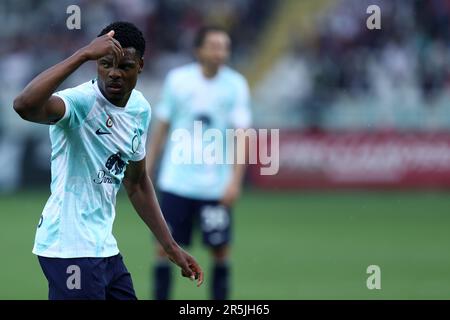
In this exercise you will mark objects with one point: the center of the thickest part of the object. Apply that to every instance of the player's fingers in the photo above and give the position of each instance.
(118, 45)
(200, 279)
(223, 200)
(226, 201)
(198, 274)
(110, 34)
(186, 271)
(116, 55)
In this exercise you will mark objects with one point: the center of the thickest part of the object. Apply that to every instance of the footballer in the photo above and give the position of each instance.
(98, 134)
(202, 195)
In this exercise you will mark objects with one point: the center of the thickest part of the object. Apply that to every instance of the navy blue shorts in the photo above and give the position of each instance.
(182, 214)
(87, 278)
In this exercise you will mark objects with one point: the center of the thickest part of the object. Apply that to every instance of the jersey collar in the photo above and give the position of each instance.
(106, 102)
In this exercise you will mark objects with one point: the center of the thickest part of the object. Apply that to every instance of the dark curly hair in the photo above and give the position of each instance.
(128, 35)
(201, 34)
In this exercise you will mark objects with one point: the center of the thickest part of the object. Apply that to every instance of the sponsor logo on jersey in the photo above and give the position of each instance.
(115, 165)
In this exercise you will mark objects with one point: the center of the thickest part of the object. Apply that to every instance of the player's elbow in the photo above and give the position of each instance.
(20, 107)
(139, 185)
(130, 187)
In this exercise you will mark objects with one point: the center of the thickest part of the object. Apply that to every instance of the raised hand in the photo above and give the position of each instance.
(35, 103)
(102, 46)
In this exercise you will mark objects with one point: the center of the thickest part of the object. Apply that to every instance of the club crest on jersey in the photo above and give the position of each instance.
(135, 143)
(109, 122)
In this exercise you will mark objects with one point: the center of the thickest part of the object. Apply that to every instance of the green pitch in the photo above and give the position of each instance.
(287, 245)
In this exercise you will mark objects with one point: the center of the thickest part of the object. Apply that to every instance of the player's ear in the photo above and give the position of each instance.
(141, 64)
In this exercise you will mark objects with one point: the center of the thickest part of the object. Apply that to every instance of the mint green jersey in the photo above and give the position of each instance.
(220, 103)
(91, 147)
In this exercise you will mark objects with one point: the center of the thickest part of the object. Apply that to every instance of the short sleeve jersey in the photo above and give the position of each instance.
(92, 144)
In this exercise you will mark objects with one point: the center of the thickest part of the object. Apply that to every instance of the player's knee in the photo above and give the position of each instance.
(220, 254)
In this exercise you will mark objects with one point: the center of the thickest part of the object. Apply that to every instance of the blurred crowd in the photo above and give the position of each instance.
(347, 77)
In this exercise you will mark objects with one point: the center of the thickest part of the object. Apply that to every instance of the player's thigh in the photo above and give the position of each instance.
(179, 214)
(121, 286)
(215, 224)
(74, 278)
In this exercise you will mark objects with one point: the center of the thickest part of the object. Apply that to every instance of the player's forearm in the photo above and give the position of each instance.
(242, 154)
(153, 155)
(159, 136)
(144, 200)
(238, 174)
(39, 90)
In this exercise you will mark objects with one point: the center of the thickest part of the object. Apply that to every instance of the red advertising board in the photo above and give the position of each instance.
(333, 160)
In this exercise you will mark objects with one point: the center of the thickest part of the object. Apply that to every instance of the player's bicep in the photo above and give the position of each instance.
(135, 174)
(50, 112)
(160, 132)
(54, 110)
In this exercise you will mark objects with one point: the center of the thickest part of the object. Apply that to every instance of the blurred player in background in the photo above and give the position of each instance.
(218, 97)
(98, 132)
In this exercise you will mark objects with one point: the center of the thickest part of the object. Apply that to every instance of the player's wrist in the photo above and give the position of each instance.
(83, 55)
(171, 247)
(236, 184)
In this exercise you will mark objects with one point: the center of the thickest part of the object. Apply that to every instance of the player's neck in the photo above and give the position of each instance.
(120, 102)
(209, 72)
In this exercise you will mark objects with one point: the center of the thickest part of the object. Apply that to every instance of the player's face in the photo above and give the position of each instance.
(116, 79)
(215, 49)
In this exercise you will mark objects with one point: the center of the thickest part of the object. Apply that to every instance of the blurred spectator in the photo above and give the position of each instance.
(394, 78)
